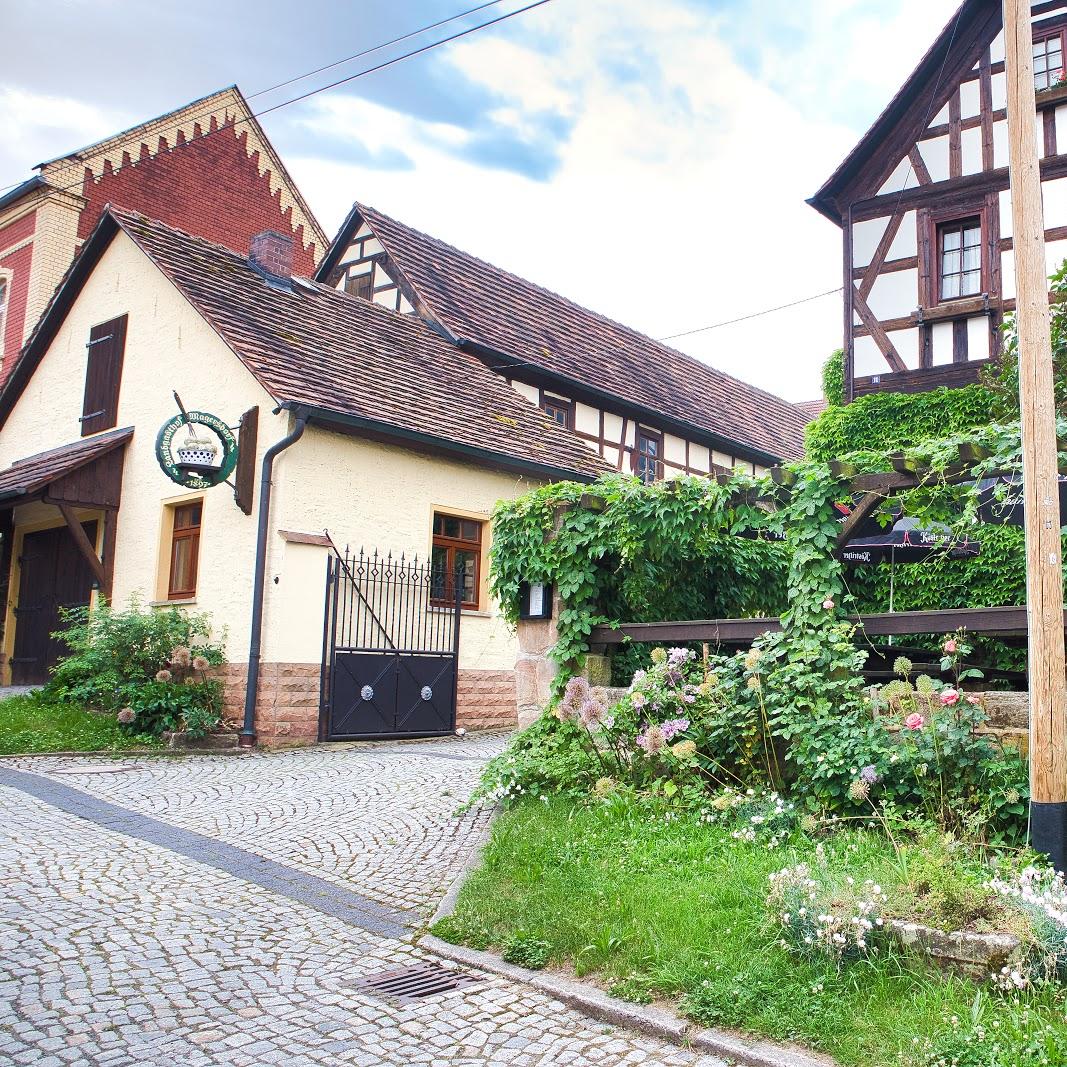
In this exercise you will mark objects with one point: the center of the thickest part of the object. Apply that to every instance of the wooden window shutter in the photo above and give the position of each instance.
(103, 373)
(245, 475)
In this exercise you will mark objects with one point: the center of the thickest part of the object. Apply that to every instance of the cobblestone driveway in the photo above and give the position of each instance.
(222, 910)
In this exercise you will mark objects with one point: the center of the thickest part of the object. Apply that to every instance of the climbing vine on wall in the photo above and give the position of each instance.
(619, 550)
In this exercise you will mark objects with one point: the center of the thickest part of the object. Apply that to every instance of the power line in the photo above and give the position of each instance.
(754, 315)
(321, 89)
(368, 51)
(407, 55)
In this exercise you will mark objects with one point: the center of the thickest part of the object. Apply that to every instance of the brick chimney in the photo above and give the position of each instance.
(271, 254)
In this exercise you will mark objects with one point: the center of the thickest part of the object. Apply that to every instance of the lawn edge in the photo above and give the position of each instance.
(596, 1004)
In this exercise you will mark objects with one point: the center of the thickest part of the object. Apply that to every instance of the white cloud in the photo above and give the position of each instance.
(679, 198)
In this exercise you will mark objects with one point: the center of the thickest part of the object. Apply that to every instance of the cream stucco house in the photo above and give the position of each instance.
(356, 424)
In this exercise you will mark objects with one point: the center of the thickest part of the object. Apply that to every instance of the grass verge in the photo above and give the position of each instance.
(32, 723)
(674, 909)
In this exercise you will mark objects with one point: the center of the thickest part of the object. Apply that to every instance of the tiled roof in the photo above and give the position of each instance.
(314, 346)
(812, 408)
(34, 473)
(478, 302)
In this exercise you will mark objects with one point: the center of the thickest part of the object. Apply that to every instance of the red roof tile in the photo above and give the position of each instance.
(311, 345)
(478, 302)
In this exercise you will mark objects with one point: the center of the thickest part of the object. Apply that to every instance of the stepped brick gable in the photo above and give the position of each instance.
(207, 168)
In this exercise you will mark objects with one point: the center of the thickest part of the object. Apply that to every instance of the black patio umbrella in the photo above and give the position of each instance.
(1000, 500)
(906, 541)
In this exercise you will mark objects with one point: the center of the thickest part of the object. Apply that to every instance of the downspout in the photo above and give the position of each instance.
(247, 736)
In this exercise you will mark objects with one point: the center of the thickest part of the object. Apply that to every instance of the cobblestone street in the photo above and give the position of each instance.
(223, 910)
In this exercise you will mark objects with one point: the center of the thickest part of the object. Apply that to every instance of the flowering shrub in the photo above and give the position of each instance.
(765, 817)
(146, 666)
(820, 916)
(1040, 894)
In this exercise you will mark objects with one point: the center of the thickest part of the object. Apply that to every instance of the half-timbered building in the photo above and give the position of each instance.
(642, 406)
(924, 207)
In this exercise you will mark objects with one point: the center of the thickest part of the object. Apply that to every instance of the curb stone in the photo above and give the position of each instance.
(646, 1019)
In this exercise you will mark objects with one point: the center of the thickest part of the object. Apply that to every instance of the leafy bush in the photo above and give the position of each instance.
(147, 666)
(833, 379)
(888, 421)
(527, 952)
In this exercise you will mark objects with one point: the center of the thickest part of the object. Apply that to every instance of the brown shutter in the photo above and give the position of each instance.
(103, 373)
(245, 475)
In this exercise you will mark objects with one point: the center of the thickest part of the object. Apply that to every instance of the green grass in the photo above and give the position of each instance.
(32, 723)
(674, 910)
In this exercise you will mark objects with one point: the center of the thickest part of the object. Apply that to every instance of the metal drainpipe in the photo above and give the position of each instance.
(247, 736)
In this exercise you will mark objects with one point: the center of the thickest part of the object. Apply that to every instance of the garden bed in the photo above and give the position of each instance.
(35, 723)
(656, 904)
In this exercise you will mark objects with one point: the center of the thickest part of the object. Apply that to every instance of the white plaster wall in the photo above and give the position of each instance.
(978, 337)
(1061, 126)
(1054, 202)
(1005, 213)
(721, 459)
(373, 495)
(1055, 253)
(528, 391)
(894, 295)
(905, 243)
(935, 156)
(699, 458)
(999, 89)
(941, 338)
(903, 177)
(1007, 274)
(611, 456)
(971, 150)
(996, 49)
(612, 426)
(168, 347)
(674, 449)
(941, 118)
(587, 419)
(970, 99)
(906, 343)
(865, 238)
(1000, 143)
(867, 359)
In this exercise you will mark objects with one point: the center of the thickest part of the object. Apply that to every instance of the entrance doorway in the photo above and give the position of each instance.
(53, 574)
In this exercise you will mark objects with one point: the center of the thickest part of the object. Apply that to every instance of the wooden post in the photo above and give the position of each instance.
(1044, 574)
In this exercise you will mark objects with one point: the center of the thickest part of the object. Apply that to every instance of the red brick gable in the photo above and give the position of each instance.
(209, 186)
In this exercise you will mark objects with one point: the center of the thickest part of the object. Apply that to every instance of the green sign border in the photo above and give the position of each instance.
(165, 438)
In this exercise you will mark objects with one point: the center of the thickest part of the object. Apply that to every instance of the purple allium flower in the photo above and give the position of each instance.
(591, 713)
(689, 698)
(652, 740)
(869, 774)
(576, 693)
(126, 716)
(672, 727)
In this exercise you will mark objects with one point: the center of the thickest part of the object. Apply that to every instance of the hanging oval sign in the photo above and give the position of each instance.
(203, 456)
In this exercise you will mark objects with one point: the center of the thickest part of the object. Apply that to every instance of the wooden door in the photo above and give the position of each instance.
(53, 574)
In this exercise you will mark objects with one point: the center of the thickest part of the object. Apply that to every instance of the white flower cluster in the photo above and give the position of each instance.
(1041, 895)
(817, 920)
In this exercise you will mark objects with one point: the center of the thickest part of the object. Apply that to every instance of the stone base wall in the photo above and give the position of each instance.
(486, 700)
(287, 711)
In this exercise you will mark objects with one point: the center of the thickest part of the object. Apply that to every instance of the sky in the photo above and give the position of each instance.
(648, 160)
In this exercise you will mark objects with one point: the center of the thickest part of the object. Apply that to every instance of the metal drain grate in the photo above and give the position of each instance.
(415, 982)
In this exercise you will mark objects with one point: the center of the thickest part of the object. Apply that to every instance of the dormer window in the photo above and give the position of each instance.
(959, 258)
(360, 284)
(1048, 61)
(560, 410)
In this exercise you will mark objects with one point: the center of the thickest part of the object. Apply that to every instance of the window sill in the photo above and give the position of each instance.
(185, 603)
(1051, 97)
(956, 309)
(475, 613)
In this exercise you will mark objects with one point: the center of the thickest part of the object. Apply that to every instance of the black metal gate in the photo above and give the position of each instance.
(390, 649)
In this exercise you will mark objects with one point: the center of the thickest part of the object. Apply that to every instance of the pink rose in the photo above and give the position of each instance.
(949, 697)
(949, 646)
(914, 721)
(828, 605)
(972, 699)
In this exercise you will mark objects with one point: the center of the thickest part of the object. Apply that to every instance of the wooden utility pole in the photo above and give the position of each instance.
(1044, 574)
